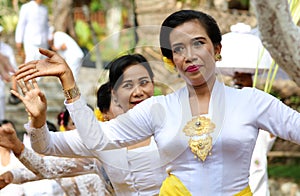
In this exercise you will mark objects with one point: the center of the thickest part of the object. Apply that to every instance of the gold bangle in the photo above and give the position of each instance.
(72, 93)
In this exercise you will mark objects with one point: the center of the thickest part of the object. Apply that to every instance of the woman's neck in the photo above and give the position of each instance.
(199, 98)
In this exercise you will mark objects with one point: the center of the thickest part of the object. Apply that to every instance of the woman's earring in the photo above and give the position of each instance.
(105, 118)
(218, 57)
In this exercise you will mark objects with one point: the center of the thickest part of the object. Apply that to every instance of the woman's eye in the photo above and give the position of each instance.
(143, 82)
(178, 49)
(127, 85)
(197, 43)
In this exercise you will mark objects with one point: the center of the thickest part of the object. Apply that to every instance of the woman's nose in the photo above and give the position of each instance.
(189, 54)
(138, 91)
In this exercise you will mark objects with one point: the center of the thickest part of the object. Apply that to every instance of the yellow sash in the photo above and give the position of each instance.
(245, 192)
(172, 186)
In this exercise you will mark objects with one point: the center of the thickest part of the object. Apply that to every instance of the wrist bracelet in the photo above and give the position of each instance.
(72, 93)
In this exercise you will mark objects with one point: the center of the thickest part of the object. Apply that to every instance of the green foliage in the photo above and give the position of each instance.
(126, 45)
(9, 23)
(245, 3)
(157, 91)
(83, 33)
(100, 31)
(96, 5)
(291, 171)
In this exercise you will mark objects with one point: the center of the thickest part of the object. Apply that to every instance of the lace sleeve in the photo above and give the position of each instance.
(279, 34)
(54, 167)
(88, 184)
(22, 175)
(84, 175)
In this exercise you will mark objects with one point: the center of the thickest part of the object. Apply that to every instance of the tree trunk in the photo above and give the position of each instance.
(63, 16)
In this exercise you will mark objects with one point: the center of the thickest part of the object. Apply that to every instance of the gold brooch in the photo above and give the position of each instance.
(200, 142)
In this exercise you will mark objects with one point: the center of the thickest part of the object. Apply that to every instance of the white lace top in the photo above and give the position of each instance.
(86, 180)
(279, 34)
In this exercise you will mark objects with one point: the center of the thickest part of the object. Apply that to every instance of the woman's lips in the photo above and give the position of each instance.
(192, 68)
(136, 102)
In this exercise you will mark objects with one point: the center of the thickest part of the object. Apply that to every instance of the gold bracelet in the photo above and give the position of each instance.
(72, 93)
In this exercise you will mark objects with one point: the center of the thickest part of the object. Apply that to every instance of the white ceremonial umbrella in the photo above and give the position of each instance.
(242, 52)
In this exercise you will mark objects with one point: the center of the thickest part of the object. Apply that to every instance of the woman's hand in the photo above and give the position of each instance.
(54, 65)
(9, 139)
(34, 100)
(5, 179)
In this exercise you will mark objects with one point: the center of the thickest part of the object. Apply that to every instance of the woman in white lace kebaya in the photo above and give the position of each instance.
(205, 131)
(133, 170)
(76, 176)
(280, 35)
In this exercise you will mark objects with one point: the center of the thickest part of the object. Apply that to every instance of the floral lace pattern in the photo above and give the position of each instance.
(280, 35)
(87, 184)
(22, 175)
(87, 172)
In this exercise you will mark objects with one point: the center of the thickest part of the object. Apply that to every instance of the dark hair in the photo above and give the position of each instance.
(104, 97)
(117, 67)
(51, 126)
(182, 16)
(63, 118)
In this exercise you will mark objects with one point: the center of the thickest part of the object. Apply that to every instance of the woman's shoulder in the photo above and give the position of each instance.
(248, 94)
(166, 98)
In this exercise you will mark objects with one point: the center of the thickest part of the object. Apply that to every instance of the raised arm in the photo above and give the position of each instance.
(46, 167)
(117, 135)
(17, 176)
(279, 34)
(43, 141)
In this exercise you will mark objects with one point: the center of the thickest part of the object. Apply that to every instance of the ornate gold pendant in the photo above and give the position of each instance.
(200, 142)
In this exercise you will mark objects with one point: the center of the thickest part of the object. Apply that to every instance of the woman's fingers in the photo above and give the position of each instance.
(28, 85)
(27, 71)
(7, 129)
(35, 84)
(46, 52)
(22, 87)
(17, 94)
(42, 97)
(28, 65)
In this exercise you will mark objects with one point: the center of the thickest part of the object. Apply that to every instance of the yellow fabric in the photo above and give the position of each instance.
(98, 114)
(62, 128)
(245, 192)
(172, 186)
(169, 65)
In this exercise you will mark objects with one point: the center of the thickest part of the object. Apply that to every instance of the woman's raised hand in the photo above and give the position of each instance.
(9, 139)
(34, 100)
(54, 65)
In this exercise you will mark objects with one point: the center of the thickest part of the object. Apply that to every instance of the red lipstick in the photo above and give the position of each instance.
(192, 68)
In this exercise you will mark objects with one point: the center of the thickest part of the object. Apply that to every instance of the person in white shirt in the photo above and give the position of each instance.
(205, 131)
(67, 47)
(32, 31)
